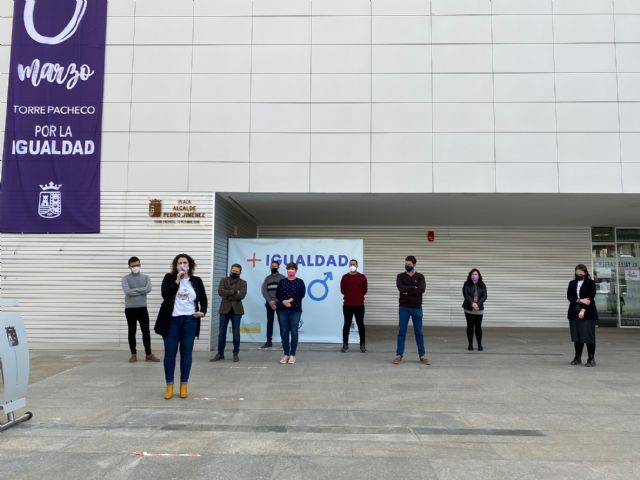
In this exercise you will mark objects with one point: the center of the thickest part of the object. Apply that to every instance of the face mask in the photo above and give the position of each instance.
(183, 268)
(579, 277)
(235, 275)
(291, 273)
(274, 270)
(353, 268)
(474, 277)
(135, 270)
(408, 268)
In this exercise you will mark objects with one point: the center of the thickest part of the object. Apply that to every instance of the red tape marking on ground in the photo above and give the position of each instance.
(149, 454)
(226, 399)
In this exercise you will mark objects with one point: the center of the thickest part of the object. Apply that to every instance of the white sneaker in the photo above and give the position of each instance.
(292, 360)
(284, 359)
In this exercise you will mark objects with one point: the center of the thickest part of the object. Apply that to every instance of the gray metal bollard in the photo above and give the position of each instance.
(14, 365)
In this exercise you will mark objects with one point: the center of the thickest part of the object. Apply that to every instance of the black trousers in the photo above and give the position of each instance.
(474, 322)
(135, 316)
(579, 346)
(349, 313)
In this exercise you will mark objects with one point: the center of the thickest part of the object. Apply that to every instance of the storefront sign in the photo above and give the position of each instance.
(51, 161)
(632, 275)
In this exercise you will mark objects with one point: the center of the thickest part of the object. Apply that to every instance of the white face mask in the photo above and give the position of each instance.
(135, 270)
(353, 268)
(183, 268)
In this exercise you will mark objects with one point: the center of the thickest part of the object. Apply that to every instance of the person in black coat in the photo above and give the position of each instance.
(183, 306)
(474, 292)
(582, 315)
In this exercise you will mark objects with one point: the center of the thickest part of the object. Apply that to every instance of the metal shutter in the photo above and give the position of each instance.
(526, 269)
(69, 285)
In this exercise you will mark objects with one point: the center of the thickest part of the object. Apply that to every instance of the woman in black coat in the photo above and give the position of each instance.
(474, 292)
(582, 315)
(183, 306)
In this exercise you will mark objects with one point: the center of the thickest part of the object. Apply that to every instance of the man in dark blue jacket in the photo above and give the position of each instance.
(411, 286)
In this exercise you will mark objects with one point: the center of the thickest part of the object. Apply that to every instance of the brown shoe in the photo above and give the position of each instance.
(133, 358)
(151, 358)
(424, 360)
(397, 360)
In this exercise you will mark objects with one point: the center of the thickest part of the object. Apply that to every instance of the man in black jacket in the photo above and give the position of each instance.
(231, 290)
(411, 286)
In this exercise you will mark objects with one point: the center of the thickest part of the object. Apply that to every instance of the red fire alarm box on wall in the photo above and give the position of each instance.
(431, 236)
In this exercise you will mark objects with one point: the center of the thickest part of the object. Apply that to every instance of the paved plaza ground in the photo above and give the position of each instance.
(515, 411)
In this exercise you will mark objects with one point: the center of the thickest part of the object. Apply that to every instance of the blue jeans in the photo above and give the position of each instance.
(271, 313)
(225, 318)
(416, 316)
(182, 331)
(289, 323)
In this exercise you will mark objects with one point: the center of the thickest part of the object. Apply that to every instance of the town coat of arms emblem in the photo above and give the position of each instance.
(50, 201)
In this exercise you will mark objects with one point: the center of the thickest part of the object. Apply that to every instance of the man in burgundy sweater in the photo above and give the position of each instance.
(353, 286)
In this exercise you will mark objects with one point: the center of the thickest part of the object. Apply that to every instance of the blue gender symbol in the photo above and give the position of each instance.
(327, 276)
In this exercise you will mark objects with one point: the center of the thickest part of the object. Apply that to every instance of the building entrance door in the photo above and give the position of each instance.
(605, 274)
(628, 241)
(616, 271)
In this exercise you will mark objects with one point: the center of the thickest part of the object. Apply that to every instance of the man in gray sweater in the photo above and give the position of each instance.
(269, 293)
(136, 285)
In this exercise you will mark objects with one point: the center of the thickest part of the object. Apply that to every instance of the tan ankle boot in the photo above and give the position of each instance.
(168, 393)
(183, 390)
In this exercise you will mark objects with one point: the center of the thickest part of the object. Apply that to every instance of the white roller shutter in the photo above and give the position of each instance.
(526, 269)
(69, 285)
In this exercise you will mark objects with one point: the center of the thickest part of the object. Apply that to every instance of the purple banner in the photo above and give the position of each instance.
(51, 162)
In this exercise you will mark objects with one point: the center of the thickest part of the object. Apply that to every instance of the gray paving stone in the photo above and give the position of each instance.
(517, 410)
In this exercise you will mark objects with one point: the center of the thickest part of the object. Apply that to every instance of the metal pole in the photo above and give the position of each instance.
(11, 420)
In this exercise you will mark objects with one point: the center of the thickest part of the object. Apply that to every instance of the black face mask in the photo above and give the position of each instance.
(579, 277)
(274, 270)
(234, 275)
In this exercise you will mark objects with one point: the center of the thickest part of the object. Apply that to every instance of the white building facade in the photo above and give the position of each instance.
(499, 134)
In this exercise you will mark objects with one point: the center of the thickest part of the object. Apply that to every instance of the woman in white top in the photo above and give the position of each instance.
(183, 306)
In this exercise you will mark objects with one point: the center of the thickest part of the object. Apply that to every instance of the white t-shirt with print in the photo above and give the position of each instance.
(185, 299)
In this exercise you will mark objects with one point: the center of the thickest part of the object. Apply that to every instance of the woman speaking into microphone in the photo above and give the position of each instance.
(184, 303)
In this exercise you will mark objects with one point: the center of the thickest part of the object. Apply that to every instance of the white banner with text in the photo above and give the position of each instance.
(321, 264)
